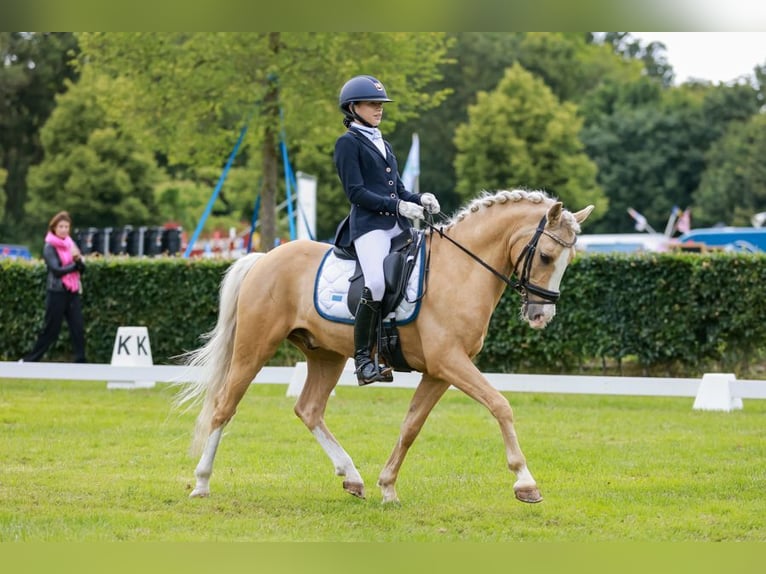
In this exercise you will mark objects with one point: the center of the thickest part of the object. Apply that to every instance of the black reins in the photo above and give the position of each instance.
(522, 284)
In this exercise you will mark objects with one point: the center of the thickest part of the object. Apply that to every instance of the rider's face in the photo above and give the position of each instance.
(371, 112)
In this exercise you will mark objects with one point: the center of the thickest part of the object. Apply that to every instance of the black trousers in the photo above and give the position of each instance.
(60, 305)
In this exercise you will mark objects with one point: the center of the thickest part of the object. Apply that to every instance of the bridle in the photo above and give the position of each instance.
(522, 284)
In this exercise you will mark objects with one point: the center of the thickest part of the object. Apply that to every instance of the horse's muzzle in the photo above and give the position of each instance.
(538, 315)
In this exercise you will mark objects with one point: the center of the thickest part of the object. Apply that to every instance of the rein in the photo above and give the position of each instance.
(521, 285)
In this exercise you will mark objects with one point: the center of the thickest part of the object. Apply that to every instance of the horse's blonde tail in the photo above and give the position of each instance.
(214, 357)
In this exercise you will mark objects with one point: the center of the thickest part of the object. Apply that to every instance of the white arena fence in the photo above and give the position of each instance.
(714, 391)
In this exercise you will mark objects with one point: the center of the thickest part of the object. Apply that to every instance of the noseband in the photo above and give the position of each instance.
(522, 284)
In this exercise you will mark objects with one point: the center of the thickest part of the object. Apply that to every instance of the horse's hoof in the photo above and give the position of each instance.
(199, 493)
(389, 494)
(354, 488)
(528, 494)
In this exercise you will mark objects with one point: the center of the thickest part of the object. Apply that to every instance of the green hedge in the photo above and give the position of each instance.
(675, 314)
(175, 298)
(670, 313)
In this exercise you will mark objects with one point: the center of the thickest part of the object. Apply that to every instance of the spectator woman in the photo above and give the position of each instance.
(63, 298)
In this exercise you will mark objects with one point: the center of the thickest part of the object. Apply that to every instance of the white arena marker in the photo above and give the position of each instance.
(298, 379)
(714, 393)
(131, 349)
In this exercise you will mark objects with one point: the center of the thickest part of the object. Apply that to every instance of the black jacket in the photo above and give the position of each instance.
(56, 270)
(372, 185)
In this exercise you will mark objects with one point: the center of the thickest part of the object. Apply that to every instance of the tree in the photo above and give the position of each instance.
(521, 135)
(189, 94)
(733, 187)
(91, 167)
(572, 66)
(644, 156)
(652, 55)
(759, 82)
(650, 142)
(3, 177)
(482, 58)
(33, 69)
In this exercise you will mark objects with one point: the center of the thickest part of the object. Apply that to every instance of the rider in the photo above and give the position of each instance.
(381, 208)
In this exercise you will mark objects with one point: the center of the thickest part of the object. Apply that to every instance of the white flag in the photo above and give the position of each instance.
(412, 167)
(641, 223)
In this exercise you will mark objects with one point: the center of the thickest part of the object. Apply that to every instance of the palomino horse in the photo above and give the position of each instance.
(267, 298)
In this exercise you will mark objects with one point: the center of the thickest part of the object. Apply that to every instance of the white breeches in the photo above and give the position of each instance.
(371, 249)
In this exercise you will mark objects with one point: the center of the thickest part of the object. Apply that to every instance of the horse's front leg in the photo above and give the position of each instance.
(322, 376)
(466, 376)
(427, 394)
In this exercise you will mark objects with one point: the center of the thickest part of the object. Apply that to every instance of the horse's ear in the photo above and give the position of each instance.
(583, 214)
(554, 213)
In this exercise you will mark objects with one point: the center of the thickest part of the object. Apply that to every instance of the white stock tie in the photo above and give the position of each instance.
(377, 139)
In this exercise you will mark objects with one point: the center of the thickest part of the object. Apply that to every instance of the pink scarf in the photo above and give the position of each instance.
(64, 249)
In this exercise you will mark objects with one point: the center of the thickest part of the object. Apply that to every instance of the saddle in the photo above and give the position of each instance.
(398, 266)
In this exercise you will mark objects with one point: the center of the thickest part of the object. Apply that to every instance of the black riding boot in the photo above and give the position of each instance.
(365, 331)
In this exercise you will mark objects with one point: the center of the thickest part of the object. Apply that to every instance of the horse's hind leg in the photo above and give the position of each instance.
(427, 394)
(225, 408)
(324, 368)
(241, 374)
(204, 468)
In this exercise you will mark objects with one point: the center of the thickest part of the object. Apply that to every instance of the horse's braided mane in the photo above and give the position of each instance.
(487, 199)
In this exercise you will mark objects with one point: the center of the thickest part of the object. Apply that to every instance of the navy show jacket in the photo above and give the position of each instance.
(372, 185)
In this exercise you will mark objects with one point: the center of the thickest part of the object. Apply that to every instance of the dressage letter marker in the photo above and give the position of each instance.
(131, 349)
(715, 393)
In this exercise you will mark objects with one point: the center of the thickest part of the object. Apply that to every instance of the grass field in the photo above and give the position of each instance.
(81, 463)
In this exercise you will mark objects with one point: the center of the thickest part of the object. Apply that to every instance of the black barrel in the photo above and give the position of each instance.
(101, 240)
(153, 241)
(135, 241)
(118, 240)
(84, 239)
(171, 240)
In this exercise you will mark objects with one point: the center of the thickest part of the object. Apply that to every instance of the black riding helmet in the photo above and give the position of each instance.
(360, 89)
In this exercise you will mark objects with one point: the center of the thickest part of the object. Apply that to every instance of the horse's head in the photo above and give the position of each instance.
(541, 263)
(535, 239)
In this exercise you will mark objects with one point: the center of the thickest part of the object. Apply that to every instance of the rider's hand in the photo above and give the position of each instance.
(430, 203)
(410, 210)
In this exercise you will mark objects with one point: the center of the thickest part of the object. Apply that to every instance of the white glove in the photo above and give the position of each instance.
(410, 210)
(429, 201)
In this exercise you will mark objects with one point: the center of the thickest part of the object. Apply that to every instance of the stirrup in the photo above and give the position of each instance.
(382, 374)
(387, 373)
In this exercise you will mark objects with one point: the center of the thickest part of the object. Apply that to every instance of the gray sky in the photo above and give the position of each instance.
(714, 56)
